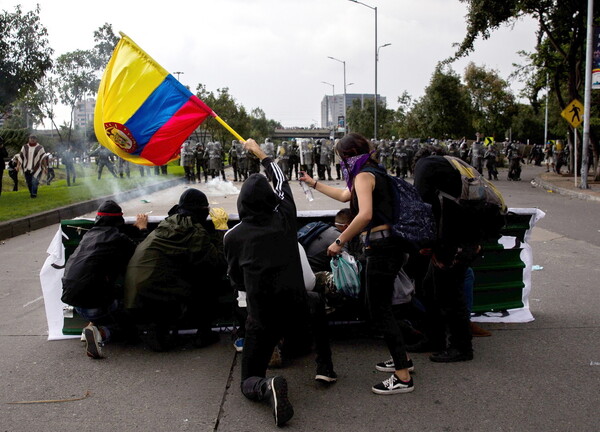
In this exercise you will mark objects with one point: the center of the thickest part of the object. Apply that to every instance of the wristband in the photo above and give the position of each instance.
(315, 185)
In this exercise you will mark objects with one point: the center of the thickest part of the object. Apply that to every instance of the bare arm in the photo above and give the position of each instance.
(364, 185)
(342, 195)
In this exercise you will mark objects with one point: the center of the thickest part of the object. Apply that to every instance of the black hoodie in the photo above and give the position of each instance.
(262, 250)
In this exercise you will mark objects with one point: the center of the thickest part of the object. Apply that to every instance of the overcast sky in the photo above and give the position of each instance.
(273, 54)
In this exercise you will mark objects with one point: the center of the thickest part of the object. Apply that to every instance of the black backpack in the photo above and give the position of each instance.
(311, 231)
(412, 219)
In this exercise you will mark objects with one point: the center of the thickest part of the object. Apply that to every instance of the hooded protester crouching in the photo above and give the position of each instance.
(92, 281)
(174, 274)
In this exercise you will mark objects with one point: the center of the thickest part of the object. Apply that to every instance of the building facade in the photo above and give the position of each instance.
(332, 107)
(83, 114)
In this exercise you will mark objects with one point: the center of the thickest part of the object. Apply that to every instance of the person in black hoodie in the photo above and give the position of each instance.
(90, 281)
(263, 260)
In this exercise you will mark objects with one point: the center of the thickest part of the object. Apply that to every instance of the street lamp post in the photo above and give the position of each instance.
(374, 9)
(177, 73)
(344, 63)
(333, 93)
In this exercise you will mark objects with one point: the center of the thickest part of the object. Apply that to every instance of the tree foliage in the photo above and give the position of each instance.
(560, 52)
(25, 55)
(491, 98)
(254, 125)
(445, 108)
(361, 118)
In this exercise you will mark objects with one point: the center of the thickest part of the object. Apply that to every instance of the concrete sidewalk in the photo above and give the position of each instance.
(564, 184)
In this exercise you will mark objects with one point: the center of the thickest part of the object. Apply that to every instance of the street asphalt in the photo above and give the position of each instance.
(539, 376)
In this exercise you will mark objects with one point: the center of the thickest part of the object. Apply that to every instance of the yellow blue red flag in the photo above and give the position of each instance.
(143, 114)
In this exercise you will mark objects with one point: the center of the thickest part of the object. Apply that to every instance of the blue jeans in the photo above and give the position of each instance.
(101, 317)
(32, 183)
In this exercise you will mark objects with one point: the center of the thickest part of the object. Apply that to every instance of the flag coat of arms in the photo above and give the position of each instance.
(143, 113)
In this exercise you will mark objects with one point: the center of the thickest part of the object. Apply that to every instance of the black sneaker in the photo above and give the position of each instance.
(282, 408)
(388, 366)
(93, 342)
(451, 355)
(325, 374)
(393, 385)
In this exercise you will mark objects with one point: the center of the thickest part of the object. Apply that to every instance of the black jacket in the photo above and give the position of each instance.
(92, 270)
(262, 250)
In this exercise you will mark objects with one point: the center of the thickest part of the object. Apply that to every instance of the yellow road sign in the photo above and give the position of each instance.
(488, 140)
(573, 113)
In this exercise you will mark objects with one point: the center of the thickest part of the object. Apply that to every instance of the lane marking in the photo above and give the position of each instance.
(33, 301)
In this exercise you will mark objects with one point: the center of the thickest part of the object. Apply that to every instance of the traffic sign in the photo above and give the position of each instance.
(488, 140)
(573, 113)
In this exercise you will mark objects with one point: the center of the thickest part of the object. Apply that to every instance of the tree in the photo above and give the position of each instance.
(77, 77)
(445, 110)
(361, 117)
(491, 98)
(255, 124)
(560, 51)
(25, 55)
(106, 41)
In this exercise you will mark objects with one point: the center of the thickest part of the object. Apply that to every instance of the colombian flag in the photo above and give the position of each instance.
(143, 114)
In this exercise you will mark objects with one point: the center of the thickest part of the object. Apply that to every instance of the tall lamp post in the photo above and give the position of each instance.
(333, 93)
(344, 63)
(177, 73)
(374, 9)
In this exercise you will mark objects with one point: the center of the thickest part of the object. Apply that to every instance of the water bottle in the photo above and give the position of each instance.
(307, 191)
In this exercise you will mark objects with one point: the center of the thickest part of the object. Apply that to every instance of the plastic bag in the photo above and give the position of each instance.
(346, 274)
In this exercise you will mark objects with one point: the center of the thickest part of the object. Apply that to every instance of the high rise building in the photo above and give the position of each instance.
(332, 107)
(83, 114)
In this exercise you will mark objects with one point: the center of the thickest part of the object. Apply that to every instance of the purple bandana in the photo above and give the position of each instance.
(352, 166)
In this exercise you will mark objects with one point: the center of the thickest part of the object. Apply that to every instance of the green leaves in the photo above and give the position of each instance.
(25, 55)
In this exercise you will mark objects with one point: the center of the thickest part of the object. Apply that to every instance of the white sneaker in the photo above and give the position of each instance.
(93, 342)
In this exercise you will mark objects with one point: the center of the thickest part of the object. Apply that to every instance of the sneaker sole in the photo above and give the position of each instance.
(325, 379)
(92, 348)
(282, 408)
(390, 392)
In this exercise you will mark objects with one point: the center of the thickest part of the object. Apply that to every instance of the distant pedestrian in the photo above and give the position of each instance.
(3, 155)
(33, 163)
(13, 173)
(68, 160)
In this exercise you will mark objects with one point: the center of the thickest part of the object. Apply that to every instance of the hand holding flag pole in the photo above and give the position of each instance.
(143, 114)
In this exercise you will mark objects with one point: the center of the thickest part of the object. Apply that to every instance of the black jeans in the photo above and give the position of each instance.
(446, 307)
(385, 258)
(279, 321)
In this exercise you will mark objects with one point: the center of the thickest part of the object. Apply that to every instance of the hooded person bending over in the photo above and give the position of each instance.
(174, 274)
(92, 281)
(263, 259)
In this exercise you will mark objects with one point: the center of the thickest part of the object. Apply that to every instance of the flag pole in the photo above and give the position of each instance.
(229, 128)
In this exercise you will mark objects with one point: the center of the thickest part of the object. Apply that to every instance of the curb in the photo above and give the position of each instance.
(537, 182)
(26, 224)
